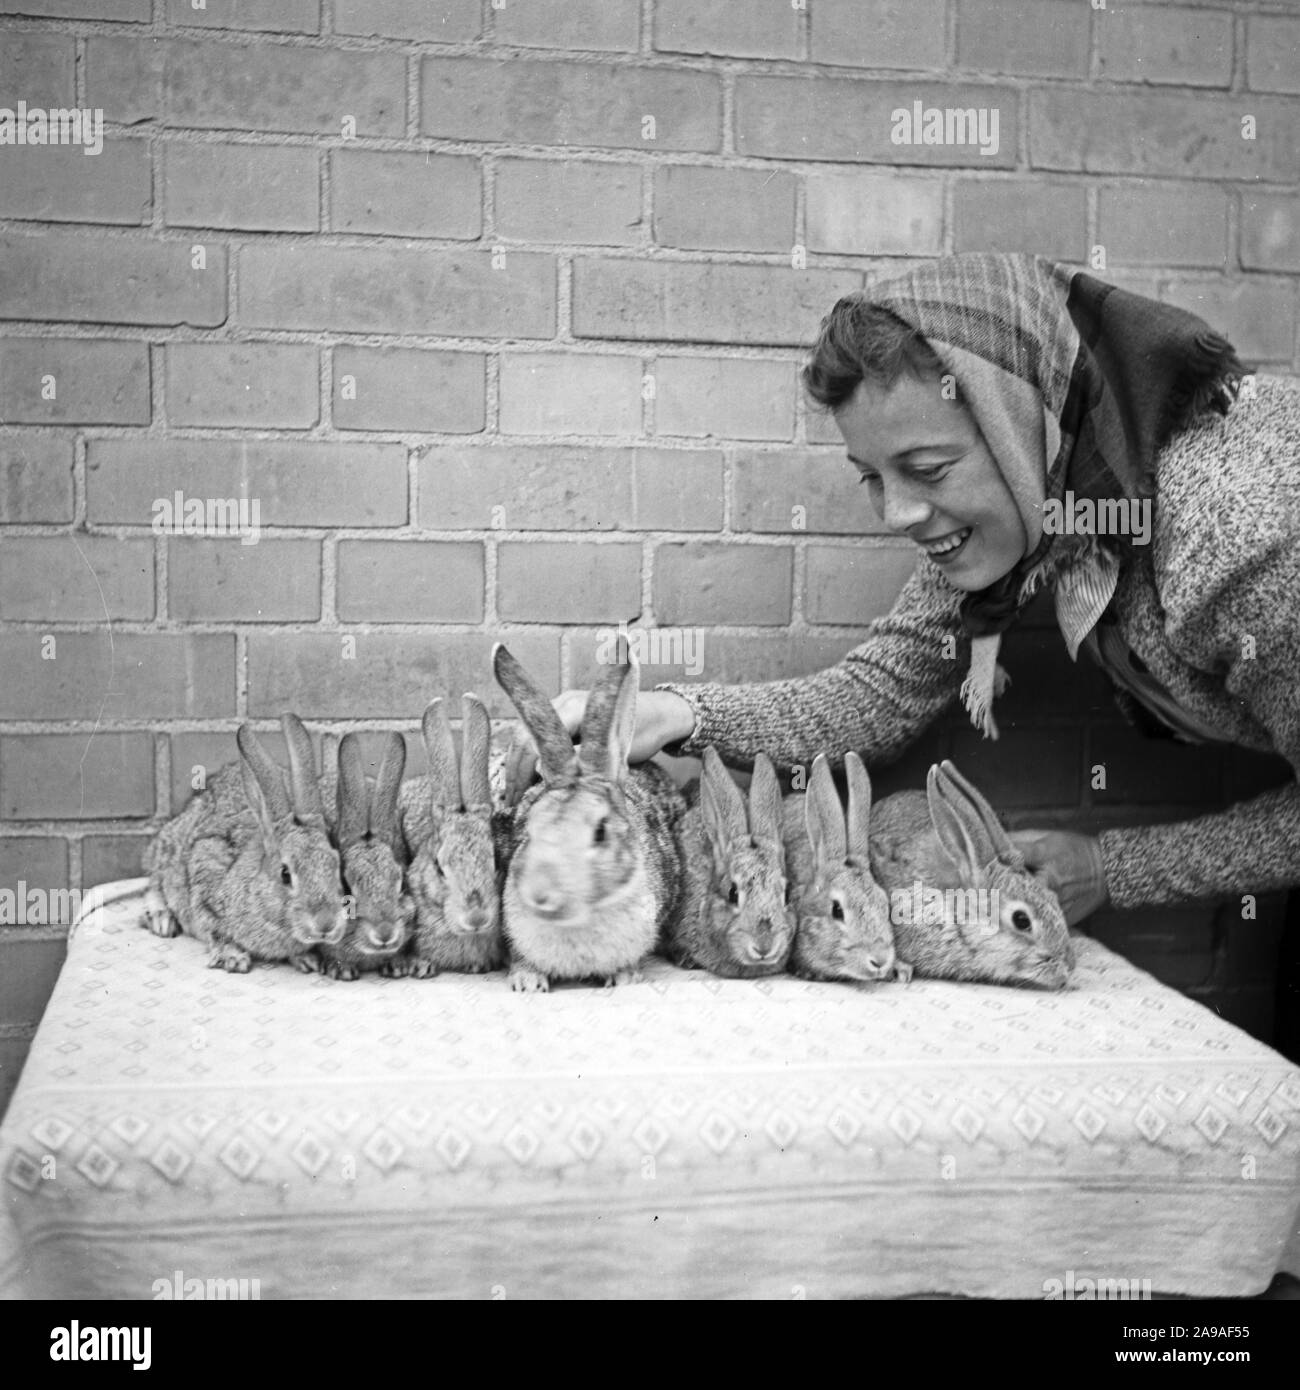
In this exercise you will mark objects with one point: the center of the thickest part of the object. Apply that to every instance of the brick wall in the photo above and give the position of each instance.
(496, 308)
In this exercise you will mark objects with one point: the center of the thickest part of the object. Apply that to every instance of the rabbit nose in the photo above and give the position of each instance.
(476, 919)
(878, 964)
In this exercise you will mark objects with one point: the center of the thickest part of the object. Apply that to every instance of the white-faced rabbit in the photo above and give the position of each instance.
(373, 855)
(261, 878)
(447, 822)
(595, 870)
(966, 907)
(843, 930)
(736, 919)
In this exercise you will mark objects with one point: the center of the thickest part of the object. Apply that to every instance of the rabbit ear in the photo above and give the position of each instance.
(999, 841)
(265, 817)
(266, 773)
(764, 801)
(440, 752)
(555, 750)
(824, 817)
(383, 802)
(858, 821)
(598, 720)
(622, 729)
(722, 808)
(948, 814)
(475, 742)
(307, 803)
(354, 798)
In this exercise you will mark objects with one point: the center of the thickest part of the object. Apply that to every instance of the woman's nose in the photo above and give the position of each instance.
(901, 509)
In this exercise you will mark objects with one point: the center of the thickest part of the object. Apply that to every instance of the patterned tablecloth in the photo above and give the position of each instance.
(688, 1136)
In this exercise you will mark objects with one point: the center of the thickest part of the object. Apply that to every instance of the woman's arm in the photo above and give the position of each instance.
(876, 700)
(1254, 846)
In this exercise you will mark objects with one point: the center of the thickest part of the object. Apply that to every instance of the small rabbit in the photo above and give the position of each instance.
(261, 878)
(736, 918)
(448, 825)
(373, 856)
(1001, 926)
(844, 931)
(595, 872)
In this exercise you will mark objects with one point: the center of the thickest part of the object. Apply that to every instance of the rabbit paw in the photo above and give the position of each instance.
(309, 963)
(336, 970)
(225, 955)
(631, 976)
(422, 968)
(525, 980)
(157, 916)
(902, 972)
(398, 968)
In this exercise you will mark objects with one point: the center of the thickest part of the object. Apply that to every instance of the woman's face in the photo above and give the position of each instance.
(932, 478)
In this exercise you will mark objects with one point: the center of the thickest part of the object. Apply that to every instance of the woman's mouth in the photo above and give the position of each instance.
(945, 548)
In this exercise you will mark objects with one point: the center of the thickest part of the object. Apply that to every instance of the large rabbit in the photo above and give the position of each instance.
(735, 918)
(965, 906)
(373, 856)
(255, 876)
(451, 837)
(595, 870)
(843, 930)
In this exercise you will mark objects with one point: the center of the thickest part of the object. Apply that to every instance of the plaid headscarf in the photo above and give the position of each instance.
(1075, 385)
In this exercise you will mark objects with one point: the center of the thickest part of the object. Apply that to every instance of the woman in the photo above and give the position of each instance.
(970, 393)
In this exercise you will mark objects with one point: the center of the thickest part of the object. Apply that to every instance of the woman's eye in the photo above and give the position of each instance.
(870, 479)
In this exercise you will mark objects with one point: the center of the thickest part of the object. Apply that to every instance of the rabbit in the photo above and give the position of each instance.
(453, 836)
(595, 871)
(844, 930)
(736, 918)
(261, 878)
(1013, 932)
(373, 856)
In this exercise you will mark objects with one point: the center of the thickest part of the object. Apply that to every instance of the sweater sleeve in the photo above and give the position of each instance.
(876, 700)
(1253, 634)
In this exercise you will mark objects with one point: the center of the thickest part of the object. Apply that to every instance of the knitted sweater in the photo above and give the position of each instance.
(1211, 606)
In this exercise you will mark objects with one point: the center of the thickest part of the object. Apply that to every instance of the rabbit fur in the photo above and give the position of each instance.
(453, 843)
(248, 868)
(950, 838)
(736, 919)
(372, 855)
(595, 868)
(844, 930)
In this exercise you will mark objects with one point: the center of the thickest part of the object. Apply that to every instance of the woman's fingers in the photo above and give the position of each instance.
(1070, 864)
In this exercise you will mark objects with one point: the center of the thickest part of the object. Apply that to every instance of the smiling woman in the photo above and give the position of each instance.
(974, 393)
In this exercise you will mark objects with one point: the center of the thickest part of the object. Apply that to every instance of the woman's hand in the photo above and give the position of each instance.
(1070, 864)
(662, 717)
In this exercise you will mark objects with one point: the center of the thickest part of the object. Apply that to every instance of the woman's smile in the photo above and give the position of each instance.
(932, 478)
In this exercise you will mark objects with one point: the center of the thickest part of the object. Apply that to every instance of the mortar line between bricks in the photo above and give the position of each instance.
(645, 32)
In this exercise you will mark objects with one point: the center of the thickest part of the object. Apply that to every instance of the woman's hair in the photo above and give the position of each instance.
(861, 341)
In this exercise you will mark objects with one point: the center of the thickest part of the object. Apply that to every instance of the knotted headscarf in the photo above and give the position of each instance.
(1075, 385)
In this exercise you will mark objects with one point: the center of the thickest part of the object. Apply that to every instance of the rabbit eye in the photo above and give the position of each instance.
(286, 876)
(1021, 920)
(733, 896)
(600, 833)
(837, 910)
(789, 889)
